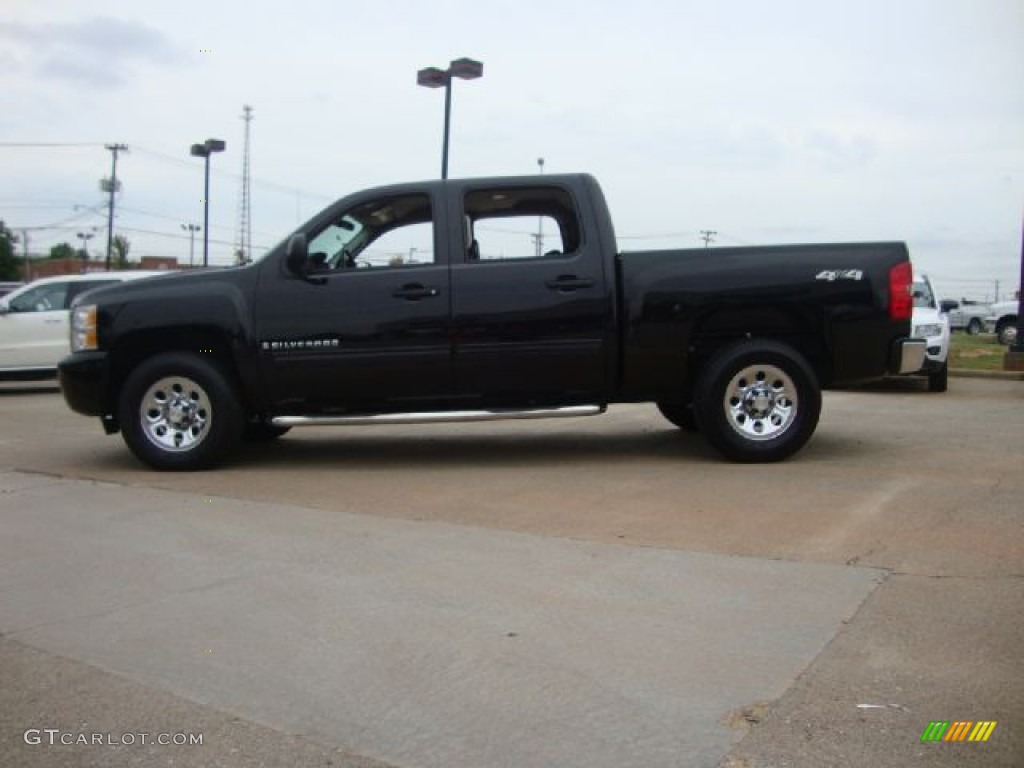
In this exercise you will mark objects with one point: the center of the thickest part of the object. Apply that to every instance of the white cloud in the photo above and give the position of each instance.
(99, 51)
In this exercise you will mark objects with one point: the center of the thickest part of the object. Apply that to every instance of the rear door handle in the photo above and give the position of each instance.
(568, 283)
(415, 292)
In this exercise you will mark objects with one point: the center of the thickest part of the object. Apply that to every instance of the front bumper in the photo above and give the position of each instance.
(907, 356)
(83, 382)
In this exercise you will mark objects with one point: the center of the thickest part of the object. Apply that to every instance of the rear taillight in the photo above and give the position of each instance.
(901, 299)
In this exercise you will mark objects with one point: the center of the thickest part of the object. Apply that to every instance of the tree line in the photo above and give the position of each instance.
(10, 266)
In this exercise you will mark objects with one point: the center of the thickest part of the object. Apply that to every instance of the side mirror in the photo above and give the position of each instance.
(297, 255)
(948, 305)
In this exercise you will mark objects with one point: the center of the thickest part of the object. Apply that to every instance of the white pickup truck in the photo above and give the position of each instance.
(966, 315)
(1002, 321)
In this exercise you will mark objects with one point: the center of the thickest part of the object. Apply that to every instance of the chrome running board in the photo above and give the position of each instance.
(437, 417)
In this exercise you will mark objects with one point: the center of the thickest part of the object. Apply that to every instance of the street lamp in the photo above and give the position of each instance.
(191, 229)
(432, 77)
(85, 237)
(204, 150)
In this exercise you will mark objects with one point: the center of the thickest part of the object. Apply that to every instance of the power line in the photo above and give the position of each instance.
(24, 144)
(216, 172)
(654, 237)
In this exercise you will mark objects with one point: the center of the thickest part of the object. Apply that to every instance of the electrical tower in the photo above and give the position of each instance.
(708, 236)
(243, 244)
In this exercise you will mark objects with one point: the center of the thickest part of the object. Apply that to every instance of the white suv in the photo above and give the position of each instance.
(930, 323)
(34, 332)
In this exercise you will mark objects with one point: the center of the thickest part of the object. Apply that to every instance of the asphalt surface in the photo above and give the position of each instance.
(589, 592)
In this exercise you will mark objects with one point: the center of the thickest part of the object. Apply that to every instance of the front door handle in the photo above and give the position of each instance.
(415, 292)
(568, 283)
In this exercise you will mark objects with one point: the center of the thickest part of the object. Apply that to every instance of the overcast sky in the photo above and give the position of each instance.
(769, 122)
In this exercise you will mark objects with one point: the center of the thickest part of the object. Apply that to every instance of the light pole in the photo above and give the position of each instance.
(85, 237)
(204, 151)
(191, 229)
(432, 77)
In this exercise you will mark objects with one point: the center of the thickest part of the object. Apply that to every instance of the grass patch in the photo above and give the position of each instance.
(976, 353)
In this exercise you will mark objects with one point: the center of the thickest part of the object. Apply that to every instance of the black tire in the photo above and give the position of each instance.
(975, 326)
(178, 411)
(757, 401)
(680, 414)
(939, 380)
(262, 432)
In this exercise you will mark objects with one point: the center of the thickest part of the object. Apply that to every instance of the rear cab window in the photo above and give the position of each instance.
(520, 223)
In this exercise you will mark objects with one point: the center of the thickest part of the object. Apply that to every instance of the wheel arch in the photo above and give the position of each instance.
(132, 349)
(795, 327)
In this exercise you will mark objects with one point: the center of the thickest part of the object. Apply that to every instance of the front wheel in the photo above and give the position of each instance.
(178, 412)
(758, 401)
(939, 380)
(975, 327)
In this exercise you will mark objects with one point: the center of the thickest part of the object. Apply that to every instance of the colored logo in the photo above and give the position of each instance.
(958, 730)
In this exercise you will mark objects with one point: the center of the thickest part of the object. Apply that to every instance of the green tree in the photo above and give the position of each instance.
(121, 248)
(63, 251)
(8, 261)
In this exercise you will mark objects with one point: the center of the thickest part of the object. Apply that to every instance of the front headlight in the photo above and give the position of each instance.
(83, 328)
(927, 331)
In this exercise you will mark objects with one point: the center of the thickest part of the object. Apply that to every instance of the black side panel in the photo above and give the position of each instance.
(828, 301)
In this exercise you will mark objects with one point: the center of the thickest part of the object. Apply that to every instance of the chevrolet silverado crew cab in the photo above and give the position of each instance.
(483, 299)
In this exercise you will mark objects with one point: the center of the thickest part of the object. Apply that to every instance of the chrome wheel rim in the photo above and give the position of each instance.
(761, 402)
(175, 414)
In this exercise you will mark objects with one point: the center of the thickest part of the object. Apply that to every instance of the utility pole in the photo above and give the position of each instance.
(24, 250)
(191, 229)
(244, 251)
(997, 292)
(114, 149)
(708, 236)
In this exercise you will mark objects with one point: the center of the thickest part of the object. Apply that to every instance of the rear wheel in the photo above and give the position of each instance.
(178, 412)
(758, 401)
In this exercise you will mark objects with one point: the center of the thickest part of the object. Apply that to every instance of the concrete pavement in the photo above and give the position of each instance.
(922, 488)
(417, 644)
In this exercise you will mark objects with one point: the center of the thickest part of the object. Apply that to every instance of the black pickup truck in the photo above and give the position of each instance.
(483, 299)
